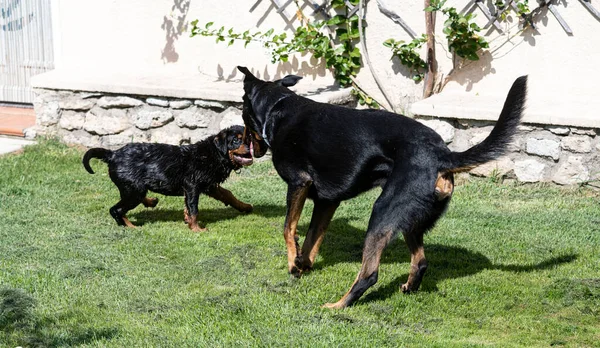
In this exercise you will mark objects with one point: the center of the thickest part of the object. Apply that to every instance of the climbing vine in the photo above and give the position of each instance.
(408, 55)
(460, 31)
(340, 53)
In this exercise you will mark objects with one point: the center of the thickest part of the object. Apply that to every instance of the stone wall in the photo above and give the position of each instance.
(560, 154)
(111, 121)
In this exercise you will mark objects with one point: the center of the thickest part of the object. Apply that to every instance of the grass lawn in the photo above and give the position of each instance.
(509, 265)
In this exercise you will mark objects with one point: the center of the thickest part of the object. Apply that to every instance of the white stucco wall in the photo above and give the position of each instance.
(122, 41)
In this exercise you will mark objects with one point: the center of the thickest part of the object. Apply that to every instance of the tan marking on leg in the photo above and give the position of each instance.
(296, 201)
(316, 232)
(416, 258)
(186, 215)
(371, 258)
(150, 202)
(444, 186)
(193, 224)
(127, 222)
(228, 198)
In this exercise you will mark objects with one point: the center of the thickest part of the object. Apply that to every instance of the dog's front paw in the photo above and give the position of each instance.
(245, 208)
(406, 288)
(199, 229)
(337, 305)
(303, 264)
(295, 271)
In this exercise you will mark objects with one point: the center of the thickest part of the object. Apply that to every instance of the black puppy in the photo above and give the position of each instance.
(187, 170)
(329, 154)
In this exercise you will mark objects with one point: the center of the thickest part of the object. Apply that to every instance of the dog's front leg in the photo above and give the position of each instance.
(322, 215)
(225, 196)
(296, 197)
(191, 201)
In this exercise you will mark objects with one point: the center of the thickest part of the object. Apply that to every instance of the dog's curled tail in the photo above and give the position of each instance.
(97, 152)
(496, 143)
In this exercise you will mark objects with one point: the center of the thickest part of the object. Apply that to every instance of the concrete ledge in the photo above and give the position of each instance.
(576, 111)
(175, 84)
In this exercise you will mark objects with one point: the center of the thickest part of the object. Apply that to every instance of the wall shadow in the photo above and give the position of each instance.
(472, 72)
(174, 25)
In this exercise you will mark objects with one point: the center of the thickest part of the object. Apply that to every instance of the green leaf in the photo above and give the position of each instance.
(208, 25)
(337, 20)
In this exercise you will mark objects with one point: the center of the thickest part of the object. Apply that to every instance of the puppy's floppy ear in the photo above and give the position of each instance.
(289, 80)
(220, 142)
(248, 75)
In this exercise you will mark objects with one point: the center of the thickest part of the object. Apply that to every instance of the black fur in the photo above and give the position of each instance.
(338, 153)
(171, 170)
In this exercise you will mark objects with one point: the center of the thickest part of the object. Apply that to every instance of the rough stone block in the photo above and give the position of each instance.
(501, 167)
(118, 102)
(559, 130)
(231, 117)
(151, 117)
(210, 104)
(572, 171)
(194, 117)
(169, 134)
(180, 104)
(129, 136)
(543, 147)
(582, 131)
(577, 143)
(71, 120)
(102, 122)
(443, 128)
(157, 102)
(76, 103)
(479, 134)
(529, 170)
(47, 114)
(81, 137)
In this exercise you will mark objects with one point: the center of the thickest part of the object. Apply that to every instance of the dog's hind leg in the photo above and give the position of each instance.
(192, 196)
(296, 197)
(321, 217)
(375, 242)
(407, 204)
(418, 263)
(225, 196)
(119, 210)
(130, 198)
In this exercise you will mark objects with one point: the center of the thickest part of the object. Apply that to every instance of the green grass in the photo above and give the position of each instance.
(509, 265)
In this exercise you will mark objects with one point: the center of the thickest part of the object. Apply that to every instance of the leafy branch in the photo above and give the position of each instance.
(343, 58)
(408, 55)
(460, 31)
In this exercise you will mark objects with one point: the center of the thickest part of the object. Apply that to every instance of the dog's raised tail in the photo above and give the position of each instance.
(496, 143)
(96, 152)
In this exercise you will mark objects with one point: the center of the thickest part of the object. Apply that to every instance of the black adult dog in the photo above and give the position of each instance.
(187, 170)
(329, 154)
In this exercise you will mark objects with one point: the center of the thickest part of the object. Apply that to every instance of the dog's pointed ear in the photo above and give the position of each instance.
(248, 75)
(289, 80)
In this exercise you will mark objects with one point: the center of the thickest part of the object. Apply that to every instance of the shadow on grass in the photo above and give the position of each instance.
(344, 243)
(21, 326)
(206, 216)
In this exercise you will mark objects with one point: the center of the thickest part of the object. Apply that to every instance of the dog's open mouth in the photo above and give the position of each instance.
(244, 158)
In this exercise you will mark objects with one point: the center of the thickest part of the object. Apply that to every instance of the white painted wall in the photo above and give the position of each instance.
(141, 38)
